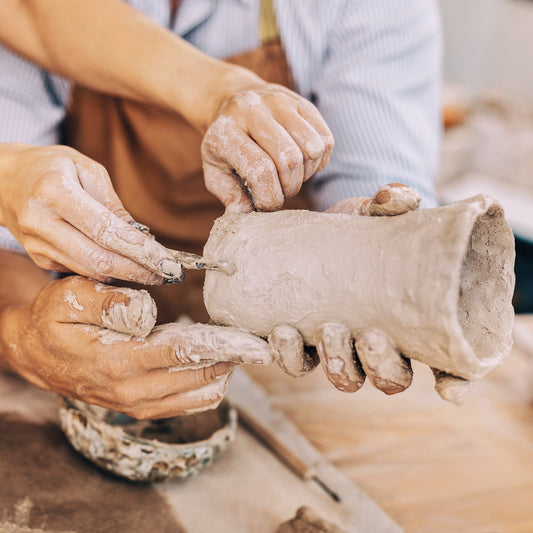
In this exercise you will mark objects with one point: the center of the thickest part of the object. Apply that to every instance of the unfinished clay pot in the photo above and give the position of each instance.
(438, 281)
(148, 450)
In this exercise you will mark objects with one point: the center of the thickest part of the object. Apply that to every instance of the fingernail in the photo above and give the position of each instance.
(171, 281)
(382, 197)
(141, 227)
(172, 269)
(315, 148)
(129, 234)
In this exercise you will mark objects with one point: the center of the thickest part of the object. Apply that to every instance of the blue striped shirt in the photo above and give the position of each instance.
(372, 67)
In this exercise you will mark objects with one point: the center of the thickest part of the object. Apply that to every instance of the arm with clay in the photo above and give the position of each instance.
(277, 139)
(98, 344)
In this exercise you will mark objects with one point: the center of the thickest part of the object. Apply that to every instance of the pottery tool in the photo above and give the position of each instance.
(189, 260)
(269, 439)
(197, 262)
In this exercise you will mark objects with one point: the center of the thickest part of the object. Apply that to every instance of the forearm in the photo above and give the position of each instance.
(110, 47)
(20, 281)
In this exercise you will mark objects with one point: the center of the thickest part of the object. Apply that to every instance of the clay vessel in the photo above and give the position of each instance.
(148, 450)
(438, 281)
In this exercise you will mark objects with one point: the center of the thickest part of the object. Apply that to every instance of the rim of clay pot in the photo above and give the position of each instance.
(100, 442)
(474, 285)
(88, 409)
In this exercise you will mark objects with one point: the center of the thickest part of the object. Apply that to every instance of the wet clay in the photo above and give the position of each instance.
(135, 316)
(437, 281)
(308, 521)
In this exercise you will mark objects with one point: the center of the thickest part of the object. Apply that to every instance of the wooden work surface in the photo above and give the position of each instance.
(432, 466)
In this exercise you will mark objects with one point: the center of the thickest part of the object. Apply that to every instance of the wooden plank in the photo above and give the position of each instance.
(431, 465)
(359, 512)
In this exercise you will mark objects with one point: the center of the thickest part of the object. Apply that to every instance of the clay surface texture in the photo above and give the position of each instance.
(438, 281)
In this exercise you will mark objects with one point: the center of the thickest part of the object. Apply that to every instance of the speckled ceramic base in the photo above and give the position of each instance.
(150, 450)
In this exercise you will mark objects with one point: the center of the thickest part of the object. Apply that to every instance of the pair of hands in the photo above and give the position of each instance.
(98, 343)
(71, 339)
(261, 146)
(263, 143)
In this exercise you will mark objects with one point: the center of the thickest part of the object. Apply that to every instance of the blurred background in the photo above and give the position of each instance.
(488, 139)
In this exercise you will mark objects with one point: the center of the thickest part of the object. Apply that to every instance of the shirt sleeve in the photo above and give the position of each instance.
(32, 108)
(379, 91)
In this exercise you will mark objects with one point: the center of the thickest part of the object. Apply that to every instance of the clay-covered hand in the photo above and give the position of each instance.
(95, 343)
(61, 207)
(373, 354)
(262, 145)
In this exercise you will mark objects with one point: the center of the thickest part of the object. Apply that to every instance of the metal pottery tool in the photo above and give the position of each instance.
(197, 262)
(189, 260)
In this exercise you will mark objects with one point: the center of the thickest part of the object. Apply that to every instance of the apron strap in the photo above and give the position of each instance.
(268, 27)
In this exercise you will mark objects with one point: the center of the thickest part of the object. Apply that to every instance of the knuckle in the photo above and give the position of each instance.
(117, 209)
(247, 99)
(64, 151)
(97, 169)
(100, 262)
(329, 141)
(206, 375)
(28, 223)
(126, 396)
(115, 370)
(170, 356)
(212, 180)
(100, 230)
(43, 185)
(42, 261)
(265, 168)
(214, 142)
(290, 159)
(76, 284)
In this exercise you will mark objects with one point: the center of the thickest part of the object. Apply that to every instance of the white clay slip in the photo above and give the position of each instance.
(136, 316)
(438, 281)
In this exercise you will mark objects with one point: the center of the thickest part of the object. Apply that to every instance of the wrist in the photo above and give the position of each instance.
(20, 282)
(8, 153)
(219, 81)
(232, 80)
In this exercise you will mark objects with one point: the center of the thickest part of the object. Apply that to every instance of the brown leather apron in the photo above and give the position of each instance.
(153, 158)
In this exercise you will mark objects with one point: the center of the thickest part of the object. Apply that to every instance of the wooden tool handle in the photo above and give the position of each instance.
(269, 439)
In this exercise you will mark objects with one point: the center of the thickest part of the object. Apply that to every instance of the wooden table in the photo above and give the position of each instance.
(432, 466)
